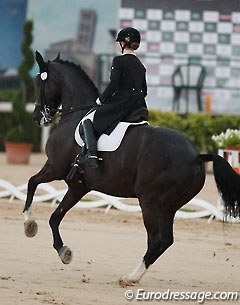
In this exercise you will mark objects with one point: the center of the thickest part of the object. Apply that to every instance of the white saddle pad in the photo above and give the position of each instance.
(107, 142)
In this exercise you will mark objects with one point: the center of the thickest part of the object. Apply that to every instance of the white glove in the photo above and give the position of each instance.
(98, 102)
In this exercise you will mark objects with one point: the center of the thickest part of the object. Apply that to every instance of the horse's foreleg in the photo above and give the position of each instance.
(44, 175)
(159, 228)
(74, 194)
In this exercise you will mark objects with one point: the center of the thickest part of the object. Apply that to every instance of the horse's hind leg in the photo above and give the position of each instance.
(74, 194)
(44, 175)
(159, 226)
(159, 209)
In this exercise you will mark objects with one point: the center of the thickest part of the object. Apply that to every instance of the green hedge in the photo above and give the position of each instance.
(7, 95)
(198, 127)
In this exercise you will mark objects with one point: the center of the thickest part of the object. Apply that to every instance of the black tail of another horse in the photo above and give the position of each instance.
(228, 183)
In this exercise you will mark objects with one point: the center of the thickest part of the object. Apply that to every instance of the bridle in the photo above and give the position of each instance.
(46, 111)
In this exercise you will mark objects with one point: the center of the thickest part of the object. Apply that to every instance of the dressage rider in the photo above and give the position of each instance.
(124, 94)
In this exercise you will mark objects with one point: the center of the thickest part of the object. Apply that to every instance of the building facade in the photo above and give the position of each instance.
(86, 28)
(79, 49)
(12, 16)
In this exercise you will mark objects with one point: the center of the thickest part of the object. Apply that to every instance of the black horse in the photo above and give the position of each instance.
(157, 165)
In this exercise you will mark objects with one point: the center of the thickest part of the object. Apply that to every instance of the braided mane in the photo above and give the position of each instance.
(79, 69)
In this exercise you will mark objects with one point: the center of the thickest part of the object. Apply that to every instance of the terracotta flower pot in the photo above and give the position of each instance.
(18, 153)
(232, 155)
(233, 147)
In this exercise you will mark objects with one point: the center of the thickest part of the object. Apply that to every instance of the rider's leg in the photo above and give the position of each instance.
(90, 157)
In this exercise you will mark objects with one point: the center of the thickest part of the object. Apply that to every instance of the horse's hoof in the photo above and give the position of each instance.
(30, 228)
(125, 281)
(66, 255)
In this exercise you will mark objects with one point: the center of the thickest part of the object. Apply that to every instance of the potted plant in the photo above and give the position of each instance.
(228, 144)
(18, 140)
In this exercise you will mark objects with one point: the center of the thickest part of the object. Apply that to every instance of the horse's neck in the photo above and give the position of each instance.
(76, 101)
(78, 93)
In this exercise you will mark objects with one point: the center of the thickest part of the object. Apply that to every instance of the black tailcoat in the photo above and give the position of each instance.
(124, 94)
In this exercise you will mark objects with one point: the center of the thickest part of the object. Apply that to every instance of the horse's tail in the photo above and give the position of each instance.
(228, 183)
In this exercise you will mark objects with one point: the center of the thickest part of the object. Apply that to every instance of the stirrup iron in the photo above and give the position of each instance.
(89, 160)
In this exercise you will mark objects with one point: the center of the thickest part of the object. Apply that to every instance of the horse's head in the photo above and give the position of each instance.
(47, 92)
(61, 83)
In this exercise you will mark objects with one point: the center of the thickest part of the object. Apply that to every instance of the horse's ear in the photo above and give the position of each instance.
(40, 61)
(57, 58)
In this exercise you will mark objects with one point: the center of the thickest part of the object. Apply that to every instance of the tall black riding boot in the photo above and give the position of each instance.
(90, 157)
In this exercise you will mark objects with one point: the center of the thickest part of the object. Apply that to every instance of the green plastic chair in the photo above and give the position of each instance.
(188, 77)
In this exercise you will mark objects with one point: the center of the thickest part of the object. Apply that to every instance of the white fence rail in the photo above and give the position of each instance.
(7, 106)
(196, 208)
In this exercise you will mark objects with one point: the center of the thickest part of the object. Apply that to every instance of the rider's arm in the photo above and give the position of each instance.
(114, 80)
(144, 87)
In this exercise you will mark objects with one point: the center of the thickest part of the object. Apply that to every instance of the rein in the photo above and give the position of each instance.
(61, 113)
(71, 110)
